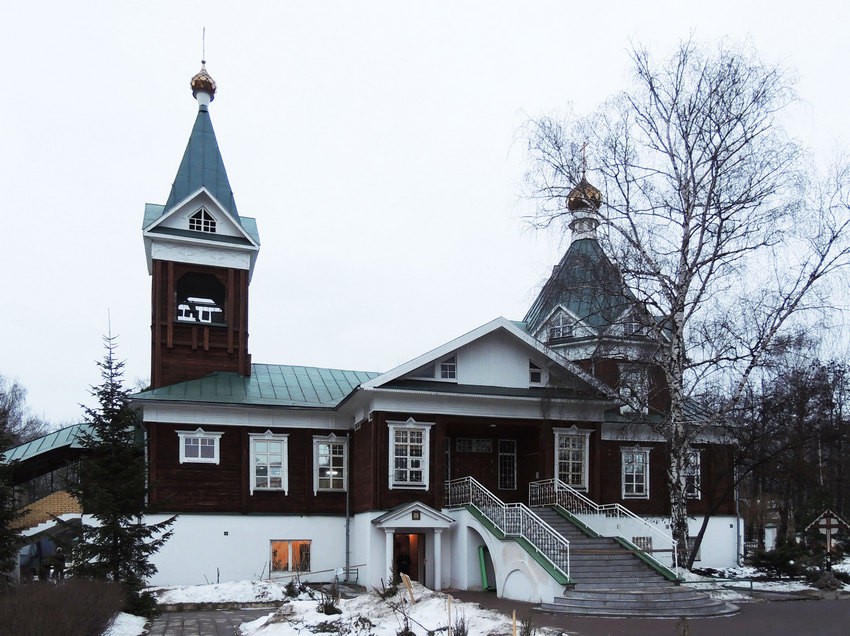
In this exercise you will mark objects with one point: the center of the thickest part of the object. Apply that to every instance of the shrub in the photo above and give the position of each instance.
(74, 608)
(461, 627)
(526, 627)
(786, 560)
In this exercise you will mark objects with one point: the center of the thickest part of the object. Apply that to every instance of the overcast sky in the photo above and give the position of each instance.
(378, 145)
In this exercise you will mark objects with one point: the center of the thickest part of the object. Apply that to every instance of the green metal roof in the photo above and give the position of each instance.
(65, 437)
(586, 283)
(202, 166)
(268, 385)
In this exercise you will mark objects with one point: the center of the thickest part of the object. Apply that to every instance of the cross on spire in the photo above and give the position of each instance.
(583, 160)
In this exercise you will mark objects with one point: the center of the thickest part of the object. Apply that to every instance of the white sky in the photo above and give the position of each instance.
(378, 144)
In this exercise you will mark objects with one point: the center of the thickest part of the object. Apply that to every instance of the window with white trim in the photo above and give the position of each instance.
(409, 454)
(507, 464)
(269, 461)
(692, 471)
(199, 447)
(634, 388)
(202, 221)
(635, 473)
(562, 326)
(330, 463)
(290, 556)
(572, 452)
(535, 373)
(448, 369)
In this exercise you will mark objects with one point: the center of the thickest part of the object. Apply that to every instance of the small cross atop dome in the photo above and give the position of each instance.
(203, 86)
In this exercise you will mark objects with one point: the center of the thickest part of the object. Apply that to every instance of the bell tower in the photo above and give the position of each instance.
(200, 254)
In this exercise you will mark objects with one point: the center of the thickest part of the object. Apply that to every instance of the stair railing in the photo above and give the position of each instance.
(513, 519)
(550, 492)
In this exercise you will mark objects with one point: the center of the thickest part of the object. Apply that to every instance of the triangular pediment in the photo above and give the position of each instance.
(413, 515)
(498, 355)
(559, 317)
(200, 230)
(180, 218)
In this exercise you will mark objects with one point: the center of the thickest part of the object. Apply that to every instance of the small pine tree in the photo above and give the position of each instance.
(10, 538)
(112, 488)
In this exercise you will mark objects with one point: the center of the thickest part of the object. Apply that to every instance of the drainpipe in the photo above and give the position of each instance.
(739, 555)
(348, 510)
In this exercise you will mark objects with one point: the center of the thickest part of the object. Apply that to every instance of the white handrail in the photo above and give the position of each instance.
(515, 520)
(548, 492)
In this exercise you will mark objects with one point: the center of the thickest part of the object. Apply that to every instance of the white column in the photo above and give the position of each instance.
(388, 555)
(438, 559)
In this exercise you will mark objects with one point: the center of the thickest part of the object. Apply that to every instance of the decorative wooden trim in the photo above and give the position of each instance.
(170, 309)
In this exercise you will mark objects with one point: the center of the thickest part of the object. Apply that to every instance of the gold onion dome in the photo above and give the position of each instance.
(203, 82)
(584, 195)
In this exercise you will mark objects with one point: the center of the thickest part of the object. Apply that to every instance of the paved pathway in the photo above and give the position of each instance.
(825, 617)
(822, 617)
(203, 623)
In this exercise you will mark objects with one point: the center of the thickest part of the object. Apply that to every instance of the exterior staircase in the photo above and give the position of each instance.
(609, 579)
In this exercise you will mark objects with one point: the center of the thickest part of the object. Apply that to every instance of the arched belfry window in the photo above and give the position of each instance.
(200, 298)
(202, 221)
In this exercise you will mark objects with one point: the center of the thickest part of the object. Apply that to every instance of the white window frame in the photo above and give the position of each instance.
(268, 436)
(535, 369)
(424, 460)
(202, 221)
(693, 469)
(202, 436)
(329, 440)
(561, 326)
(636, 451)
(574, 433)
(634, 385)
(447, 369)
(291, 545)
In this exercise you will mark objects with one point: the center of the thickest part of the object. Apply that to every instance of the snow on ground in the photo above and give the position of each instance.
(126, 625)
(739, 583)
(235, 592)
(368, 613)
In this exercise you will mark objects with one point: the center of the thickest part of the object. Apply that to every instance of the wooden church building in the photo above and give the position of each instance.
(449, 467)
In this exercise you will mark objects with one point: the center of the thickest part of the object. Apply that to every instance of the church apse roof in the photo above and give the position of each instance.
(587, 284)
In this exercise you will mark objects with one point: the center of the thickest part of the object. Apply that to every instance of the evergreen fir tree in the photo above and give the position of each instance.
(118, 545)
(10, 538)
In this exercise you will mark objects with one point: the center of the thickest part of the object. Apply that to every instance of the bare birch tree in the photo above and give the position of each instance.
(713, 224)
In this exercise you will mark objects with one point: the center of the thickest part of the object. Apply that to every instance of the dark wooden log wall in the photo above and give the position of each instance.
(184, 351)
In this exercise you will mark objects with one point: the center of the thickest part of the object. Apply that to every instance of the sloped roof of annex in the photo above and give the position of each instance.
(493, 360)
(272, 385)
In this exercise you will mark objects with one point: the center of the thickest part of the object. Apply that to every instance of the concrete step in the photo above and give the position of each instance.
(719, 608)
(649, 595)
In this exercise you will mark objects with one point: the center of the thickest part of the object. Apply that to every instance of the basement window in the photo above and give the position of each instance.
(290, 556)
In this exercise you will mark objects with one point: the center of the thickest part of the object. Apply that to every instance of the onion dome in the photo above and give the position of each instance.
(583, 196)
(203, 82)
